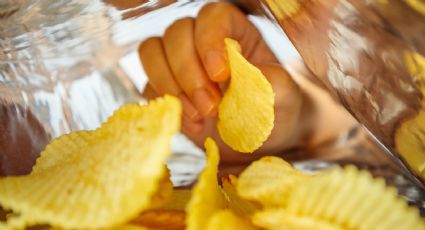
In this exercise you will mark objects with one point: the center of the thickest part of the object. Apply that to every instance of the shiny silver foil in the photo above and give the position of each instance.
(66, 65)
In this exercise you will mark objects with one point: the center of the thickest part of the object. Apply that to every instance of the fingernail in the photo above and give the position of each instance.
(188, 109)
(216, 66)
(205, 102)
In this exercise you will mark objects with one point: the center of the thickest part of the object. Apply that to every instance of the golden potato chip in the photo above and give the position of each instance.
(283, 9)
(227, 220)
(164, 191)
(268, 181)
(130, 227)
(246, 112)
(121, 227)
(207, 197)
(178, 200)
(161, 220)
(234, 201)
(418, 5)
(352, 199)
(96, 179)
(279, 219)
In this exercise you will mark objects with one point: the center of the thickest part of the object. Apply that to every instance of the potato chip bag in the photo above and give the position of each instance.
(268, 181)
(246, 111)
(96, 179)
(350, 199)
(207, 197)
(227, 220)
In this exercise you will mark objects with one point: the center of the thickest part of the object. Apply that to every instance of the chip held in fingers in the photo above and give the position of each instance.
(246, 112)
(97, 179)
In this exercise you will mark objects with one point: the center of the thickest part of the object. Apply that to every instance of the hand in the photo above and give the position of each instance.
(190, 62)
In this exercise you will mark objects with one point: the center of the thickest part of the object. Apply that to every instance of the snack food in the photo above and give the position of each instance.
(160, 220)
(268, 181)
(207, 197)
(353, 199)
(237, 204)
(103, 177)
(246, 111)
(227, 220)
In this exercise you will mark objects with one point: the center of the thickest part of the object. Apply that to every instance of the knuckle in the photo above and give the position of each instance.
(179, 23)
(148, 43)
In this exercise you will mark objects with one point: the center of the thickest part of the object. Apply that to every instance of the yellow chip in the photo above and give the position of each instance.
(178, 200)
(246, 112)
(164, 191)
(130, 227)
(227, 220)
(161, 220)
(268, 181)
(234, 201)
(207, 197)
(96, 179)
(352, 199)
(279, 219)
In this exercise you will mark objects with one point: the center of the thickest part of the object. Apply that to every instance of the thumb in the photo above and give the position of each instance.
(215, 22)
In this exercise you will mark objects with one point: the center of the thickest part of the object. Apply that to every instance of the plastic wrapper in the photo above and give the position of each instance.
(64, 66)
(370, 55)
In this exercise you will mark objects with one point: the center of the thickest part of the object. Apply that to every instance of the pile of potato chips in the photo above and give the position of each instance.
(116, 178)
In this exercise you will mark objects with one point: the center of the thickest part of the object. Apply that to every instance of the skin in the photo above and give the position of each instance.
(189, 61)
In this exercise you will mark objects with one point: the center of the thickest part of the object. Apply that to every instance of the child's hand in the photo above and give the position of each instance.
(189, 61)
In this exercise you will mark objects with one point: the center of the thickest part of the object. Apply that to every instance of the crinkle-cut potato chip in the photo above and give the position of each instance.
(207, 197)
(227, 220)
(234, 201)
(96, 179)
(279, 219)
(352, 199)
(268, 181)
(121, 227)
(246, 112)
(163, 192)
(130, 227)
(161, 220)
(178, 200)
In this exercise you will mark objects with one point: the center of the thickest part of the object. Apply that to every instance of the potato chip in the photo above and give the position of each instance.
(164, 191)
(96, 179)
(246, 112)
(279, 219)
(284, 9)
(161, 220)
(268, 181)
(130, 227)
(227, 220)
(418, 5)
(178, 200)
(207, 197)
(234, 201)
(352, 199)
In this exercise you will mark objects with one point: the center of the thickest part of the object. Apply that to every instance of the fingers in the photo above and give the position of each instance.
(149, 93)
(161, 79)
(217, 21)
(156, 67)
(179, 46)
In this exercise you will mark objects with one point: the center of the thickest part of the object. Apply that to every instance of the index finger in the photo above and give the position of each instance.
(215, 22)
